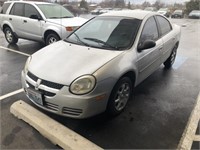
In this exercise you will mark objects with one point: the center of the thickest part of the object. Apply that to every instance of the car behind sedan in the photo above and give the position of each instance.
(195, 14)
(96, 68)
(177, 14)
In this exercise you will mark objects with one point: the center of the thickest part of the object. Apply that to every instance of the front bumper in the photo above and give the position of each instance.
(62, 102)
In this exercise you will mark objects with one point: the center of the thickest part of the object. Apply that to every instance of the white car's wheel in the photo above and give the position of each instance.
(170, 61)
(10, 37)
(52, 38)
(120, 95)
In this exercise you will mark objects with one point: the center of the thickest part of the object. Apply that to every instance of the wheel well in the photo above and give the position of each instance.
(49, 32)
(177, 43)
(4, 26)
(131, 75)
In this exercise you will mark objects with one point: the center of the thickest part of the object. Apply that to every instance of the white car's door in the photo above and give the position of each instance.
(149, 59)
(15, 18)
(167, 35)
(31, 24)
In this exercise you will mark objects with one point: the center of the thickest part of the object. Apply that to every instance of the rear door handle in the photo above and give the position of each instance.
(25, 21)
(10, 18)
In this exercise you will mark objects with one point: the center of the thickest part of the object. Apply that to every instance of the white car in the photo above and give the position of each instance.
(38, 21)
(164, 11)
(97, 66)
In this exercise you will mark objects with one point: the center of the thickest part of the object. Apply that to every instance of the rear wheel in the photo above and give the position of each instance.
(170, 61)
(10, 36)
(119, 97)
(52, 38)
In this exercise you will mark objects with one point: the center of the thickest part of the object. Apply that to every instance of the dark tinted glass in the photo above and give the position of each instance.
(5, 7)
(150, 31)
(117, 33)
(30, 10)
(17, 9)
(165, 26)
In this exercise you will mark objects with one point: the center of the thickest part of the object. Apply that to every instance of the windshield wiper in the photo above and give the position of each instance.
(54, 17)
(80, 40)
(102, 42)
(67, 17)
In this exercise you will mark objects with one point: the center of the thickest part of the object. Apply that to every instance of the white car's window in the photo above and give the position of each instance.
(17, 9)
(30, 10)
(53, 11)
(165, 26)
(107, 33)
(150, 31)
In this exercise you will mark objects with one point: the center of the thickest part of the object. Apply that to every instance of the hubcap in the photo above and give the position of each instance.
(52, 40)
(9, 36)
(122, 96)
(173, 56)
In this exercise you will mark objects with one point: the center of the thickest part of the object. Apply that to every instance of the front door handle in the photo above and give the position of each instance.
(10, 18)
(25, 21)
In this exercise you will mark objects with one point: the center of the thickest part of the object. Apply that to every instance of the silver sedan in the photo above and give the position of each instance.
(96, 68)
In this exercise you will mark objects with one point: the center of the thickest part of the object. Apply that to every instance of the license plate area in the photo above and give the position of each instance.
(36, 96)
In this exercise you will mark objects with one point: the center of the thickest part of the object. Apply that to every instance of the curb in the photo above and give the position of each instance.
(189, 133)
(49, 128)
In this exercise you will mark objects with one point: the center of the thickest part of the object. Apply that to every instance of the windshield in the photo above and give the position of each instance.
(117, 33)
(53, 11)
(178, 11)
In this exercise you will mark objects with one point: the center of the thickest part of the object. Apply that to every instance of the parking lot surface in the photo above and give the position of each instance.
(155, 117)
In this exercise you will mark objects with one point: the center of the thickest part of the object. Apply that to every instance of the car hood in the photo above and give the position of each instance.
(162, 12)
(74, 22)
(63, 62)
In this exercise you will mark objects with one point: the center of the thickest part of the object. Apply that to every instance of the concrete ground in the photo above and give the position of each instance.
(154, 118)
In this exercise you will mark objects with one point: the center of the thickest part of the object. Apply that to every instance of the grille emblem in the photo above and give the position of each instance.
(38, 84)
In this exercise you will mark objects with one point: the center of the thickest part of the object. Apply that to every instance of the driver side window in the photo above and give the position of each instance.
(150, 31)
(30, 10)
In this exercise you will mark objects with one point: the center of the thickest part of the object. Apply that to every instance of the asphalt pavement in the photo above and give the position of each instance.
(154, 118)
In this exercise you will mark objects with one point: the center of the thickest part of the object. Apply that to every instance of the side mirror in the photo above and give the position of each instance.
(146, 45)
(35, 17)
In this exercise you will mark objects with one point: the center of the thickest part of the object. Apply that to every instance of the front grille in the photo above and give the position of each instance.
(32, 76)
(52, 84)
(43, 92)
(46, 93)
(51, 106)
(72, 111)
(45, 82)
(30, 85)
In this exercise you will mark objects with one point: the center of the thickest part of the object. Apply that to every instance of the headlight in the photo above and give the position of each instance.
(83, 85)
(27, 64)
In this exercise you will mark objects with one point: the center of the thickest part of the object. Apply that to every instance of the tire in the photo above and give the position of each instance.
(51, 38)
(119, 97)
(10, 36)
(170, 61)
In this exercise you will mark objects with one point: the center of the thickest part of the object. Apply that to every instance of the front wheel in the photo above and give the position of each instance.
(52, 38)
(170, 61)
(119, 97)
(10, 36)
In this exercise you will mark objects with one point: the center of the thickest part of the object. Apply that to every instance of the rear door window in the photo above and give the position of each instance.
(17, 9)
(165, 26)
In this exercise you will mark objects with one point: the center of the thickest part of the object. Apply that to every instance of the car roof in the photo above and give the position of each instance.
(138, 14)
(29, 2)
